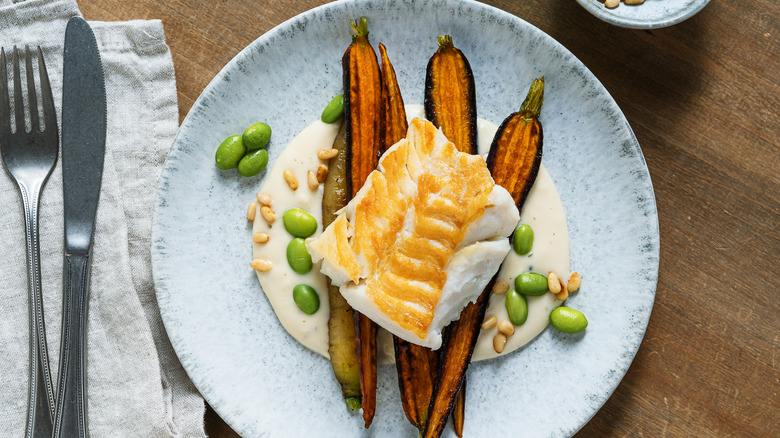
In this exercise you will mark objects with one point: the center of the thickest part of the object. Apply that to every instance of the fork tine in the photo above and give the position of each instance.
(5, 109)
(18, 94)
(49, 114)
(32, 96)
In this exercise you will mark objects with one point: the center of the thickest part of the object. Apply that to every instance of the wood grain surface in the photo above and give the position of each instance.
(703, 99)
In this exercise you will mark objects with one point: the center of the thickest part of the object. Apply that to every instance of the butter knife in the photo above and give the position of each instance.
(83, 150)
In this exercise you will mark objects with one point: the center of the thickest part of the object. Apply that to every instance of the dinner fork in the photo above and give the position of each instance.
(29, 157)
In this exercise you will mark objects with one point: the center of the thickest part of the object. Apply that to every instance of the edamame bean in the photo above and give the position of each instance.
(256, 136)
(568, 320)
(531, 283)
(516, 307)
(306, 298)
(298, 256)
(333, 110)
(253, 163)
(230, 152)
(523, 239)
(299, 223)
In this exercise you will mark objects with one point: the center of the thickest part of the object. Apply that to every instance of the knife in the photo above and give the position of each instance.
(83, 150)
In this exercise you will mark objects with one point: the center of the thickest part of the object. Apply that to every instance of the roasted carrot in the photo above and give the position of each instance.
(516, 152)
(450, 103)
(362, 107)
(394, 125)
(342, 347)
(459, 412)
(416, 365)
(454, 357)
(450, 97)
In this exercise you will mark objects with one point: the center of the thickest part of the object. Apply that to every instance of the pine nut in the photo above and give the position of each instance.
(251, 212)
(290, 179)
(633, 2)
(268, 214)
(261, 265)
(489, 323)
(261, 237)
(311, 178)
(552, 283)
(611, 3)
(501, 287)
(574, 282)
(327, 154)
(506, 328)
(264, 199)
(564, 293)
(499, 342)
(322, 172)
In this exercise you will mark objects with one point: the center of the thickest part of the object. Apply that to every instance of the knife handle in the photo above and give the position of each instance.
(70, 419)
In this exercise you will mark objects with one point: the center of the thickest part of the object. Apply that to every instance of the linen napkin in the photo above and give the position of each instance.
(136, 385)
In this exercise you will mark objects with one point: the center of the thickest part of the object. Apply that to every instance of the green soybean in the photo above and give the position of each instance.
(333, 110)
(516, 307)
(568, 320)
(256, 136)
(299, 223)
(253, 163)
(298, 256)
(523, 239)
(531, 283)
(306, 298)
(230, 152)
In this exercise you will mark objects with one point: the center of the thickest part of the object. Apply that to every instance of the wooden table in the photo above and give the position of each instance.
(703, 98)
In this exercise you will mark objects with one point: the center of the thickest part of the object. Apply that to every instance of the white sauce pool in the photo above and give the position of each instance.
(542, 211)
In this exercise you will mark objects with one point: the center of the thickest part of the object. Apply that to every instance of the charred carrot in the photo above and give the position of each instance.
(450, 97)
(459, 412)
(516, 152)
(342, 347)
(362, 107)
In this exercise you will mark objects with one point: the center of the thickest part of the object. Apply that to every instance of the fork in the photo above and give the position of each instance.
(29, 157)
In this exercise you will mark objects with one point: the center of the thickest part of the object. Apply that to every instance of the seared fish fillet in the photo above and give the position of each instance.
(421, 239)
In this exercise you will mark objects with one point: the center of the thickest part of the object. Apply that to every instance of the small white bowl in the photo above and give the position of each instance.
(652, 14)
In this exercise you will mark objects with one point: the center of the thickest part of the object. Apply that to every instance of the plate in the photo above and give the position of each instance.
(652, 14)
(221, 325)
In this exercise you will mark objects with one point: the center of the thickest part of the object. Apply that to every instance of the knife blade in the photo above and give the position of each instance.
(83, 150)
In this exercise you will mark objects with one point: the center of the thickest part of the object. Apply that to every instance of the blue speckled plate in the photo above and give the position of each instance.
(652, 14)
(221, 325)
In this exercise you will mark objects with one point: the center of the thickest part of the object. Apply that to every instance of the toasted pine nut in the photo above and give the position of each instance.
(489, 323)
(500, 287)
(261, 237)
(264, 199)
(327, 154)
(611, 3)
(633, 2)
(506, 328)
(499, 342)
(290, 179)
(322, 172)
(261, 265)
(311, 178)
(552, 283)
(564, 293)
(251, 212)
(267, 214)
(574, 282)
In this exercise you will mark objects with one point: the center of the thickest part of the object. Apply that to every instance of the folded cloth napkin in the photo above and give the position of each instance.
(136, 385)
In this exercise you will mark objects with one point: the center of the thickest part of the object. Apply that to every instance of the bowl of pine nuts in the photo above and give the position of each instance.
(643, 14)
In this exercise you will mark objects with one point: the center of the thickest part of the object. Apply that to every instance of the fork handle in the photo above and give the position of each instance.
(40, 405)
(70, 419)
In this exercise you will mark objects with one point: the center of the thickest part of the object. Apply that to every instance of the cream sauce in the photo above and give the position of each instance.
(542, 211)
